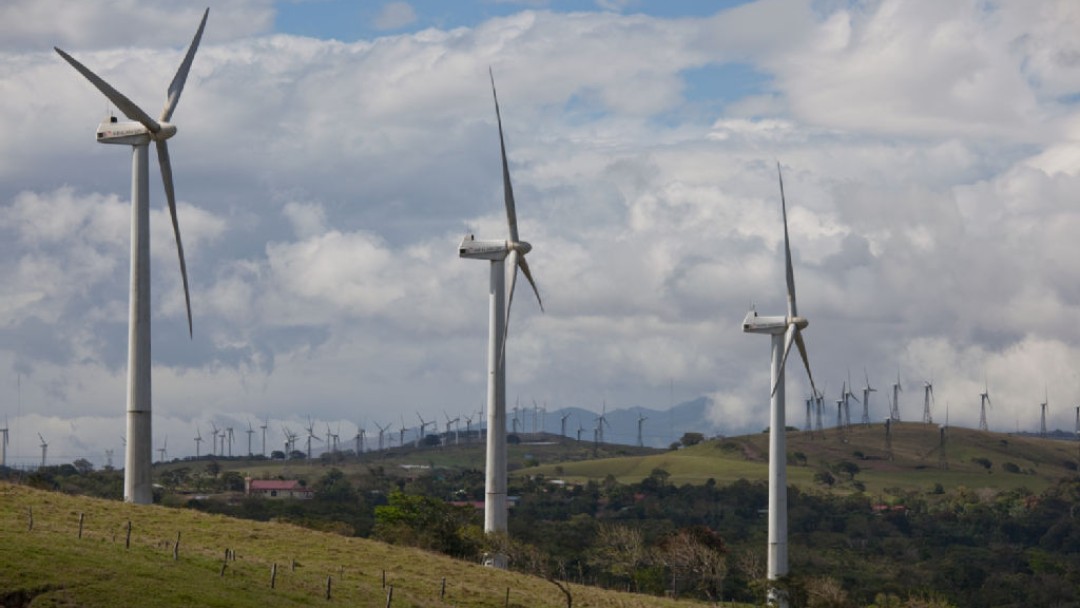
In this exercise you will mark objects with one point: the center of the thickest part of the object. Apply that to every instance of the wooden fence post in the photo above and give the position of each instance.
(273, 575)
(30, 526)
(176, 548)
(389, 596)
(442, 591)
(127, 541)
(507, 602)
(81, 515)
(328, 579)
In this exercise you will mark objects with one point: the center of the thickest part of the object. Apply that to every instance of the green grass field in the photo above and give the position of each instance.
(52, 566)
(915, 463)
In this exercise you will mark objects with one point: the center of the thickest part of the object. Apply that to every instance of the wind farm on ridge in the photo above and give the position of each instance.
(250, 430)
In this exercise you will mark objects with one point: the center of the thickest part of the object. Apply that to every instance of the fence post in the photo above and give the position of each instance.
(176, 548)
(273, 575)
(127, 541)
(389, 596)
(81, 515)
(30, 526)
(328, 579)
(442, 591)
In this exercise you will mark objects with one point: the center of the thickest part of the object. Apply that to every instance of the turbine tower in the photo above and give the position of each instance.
(250, 432)
(44, 449)
(928, 398)
(198, 442)
(138, 134)
(4, 443)
(266, 422)
(562, 424)
(984, 400)
(164, 449)
(866, 399)
(640, 422)
(1043, 406)
(784, 331)
(848, 396)
(510, 252)
(382, 431)
(894, 411)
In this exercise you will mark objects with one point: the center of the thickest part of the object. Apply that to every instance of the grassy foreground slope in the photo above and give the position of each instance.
(915, 463)
(49, 565)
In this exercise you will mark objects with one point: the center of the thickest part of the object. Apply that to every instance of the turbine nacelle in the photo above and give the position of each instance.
(490, 250)
(130, 132)
(757, 324)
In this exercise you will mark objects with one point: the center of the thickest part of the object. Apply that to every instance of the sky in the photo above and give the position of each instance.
(330, 156)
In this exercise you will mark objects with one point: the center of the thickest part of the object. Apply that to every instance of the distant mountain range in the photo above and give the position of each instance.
(659, 429)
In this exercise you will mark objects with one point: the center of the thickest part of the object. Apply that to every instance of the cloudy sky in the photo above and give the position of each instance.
(331, 155)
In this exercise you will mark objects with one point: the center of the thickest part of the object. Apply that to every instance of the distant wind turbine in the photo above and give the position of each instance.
(894, 411)
(44, 449)
(198, 442)
(866, 399)
(4, 443)
(1043, 406)
(928, 399)
(500, 254)
(784, 331)
(138, 457)
(984, 400)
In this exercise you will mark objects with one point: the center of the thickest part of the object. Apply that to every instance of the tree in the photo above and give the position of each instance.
(83, 466)
(619, 550)
(428, 523)
(696, 554)
(689, 439)
(335, 487)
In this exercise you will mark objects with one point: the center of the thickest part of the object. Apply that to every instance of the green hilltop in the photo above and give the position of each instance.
(49, 564)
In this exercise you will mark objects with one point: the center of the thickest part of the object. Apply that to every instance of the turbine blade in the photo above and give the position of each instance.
(512, 266)
(789, 338)
(806, 361)
(177, 85)
(125, 105)
(528, 275)
(792, 309)
(508, 189)
(167, 179)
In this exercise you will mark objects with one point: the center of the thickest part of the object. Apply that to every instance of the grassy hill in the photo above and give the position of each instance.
(50, 565)
(915, 463)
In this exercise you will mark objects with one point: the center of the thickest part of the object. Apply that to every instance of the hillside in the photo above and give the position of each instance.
(50, 565)
(916, 462)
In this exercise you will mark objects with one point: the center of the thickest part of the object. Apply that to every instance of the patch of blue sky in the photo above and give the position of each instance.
(709, 89)
(348, 20)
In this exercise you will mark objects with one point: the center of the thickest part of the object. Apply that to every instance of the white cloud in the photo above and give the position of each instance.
(395, 15)
(324, 187)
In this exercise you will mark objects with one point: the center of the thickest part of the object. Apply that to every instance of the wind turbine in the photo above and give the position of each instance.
(310, 435)
(894, 411)
(163, 449)
(250, 432)
(266, 422)
(44, 449)
(498, 253)
(229, 436)
(359, 440)
(4, 443)
(562, 423)
(866, 399)
(382, 431)
(809, 415)
(449, 423)
(601, 421)
(984, 400)
(580, 428)
(138, 134)
(848, 396)
(640, 422)
(198, 442)
(214, 438)
(928, 397)
(1043, 406)
(468, 429)
(784, 331)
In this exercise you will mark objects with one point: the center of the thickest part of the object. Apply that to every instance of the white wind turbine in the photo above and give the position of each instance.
(928, 398)
(499, 253)
(984, 400)
(44, 449)
(1042, 406)
(138, 134)
(866, 399)
(4, 443)
(198, 442)
(784, 331)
